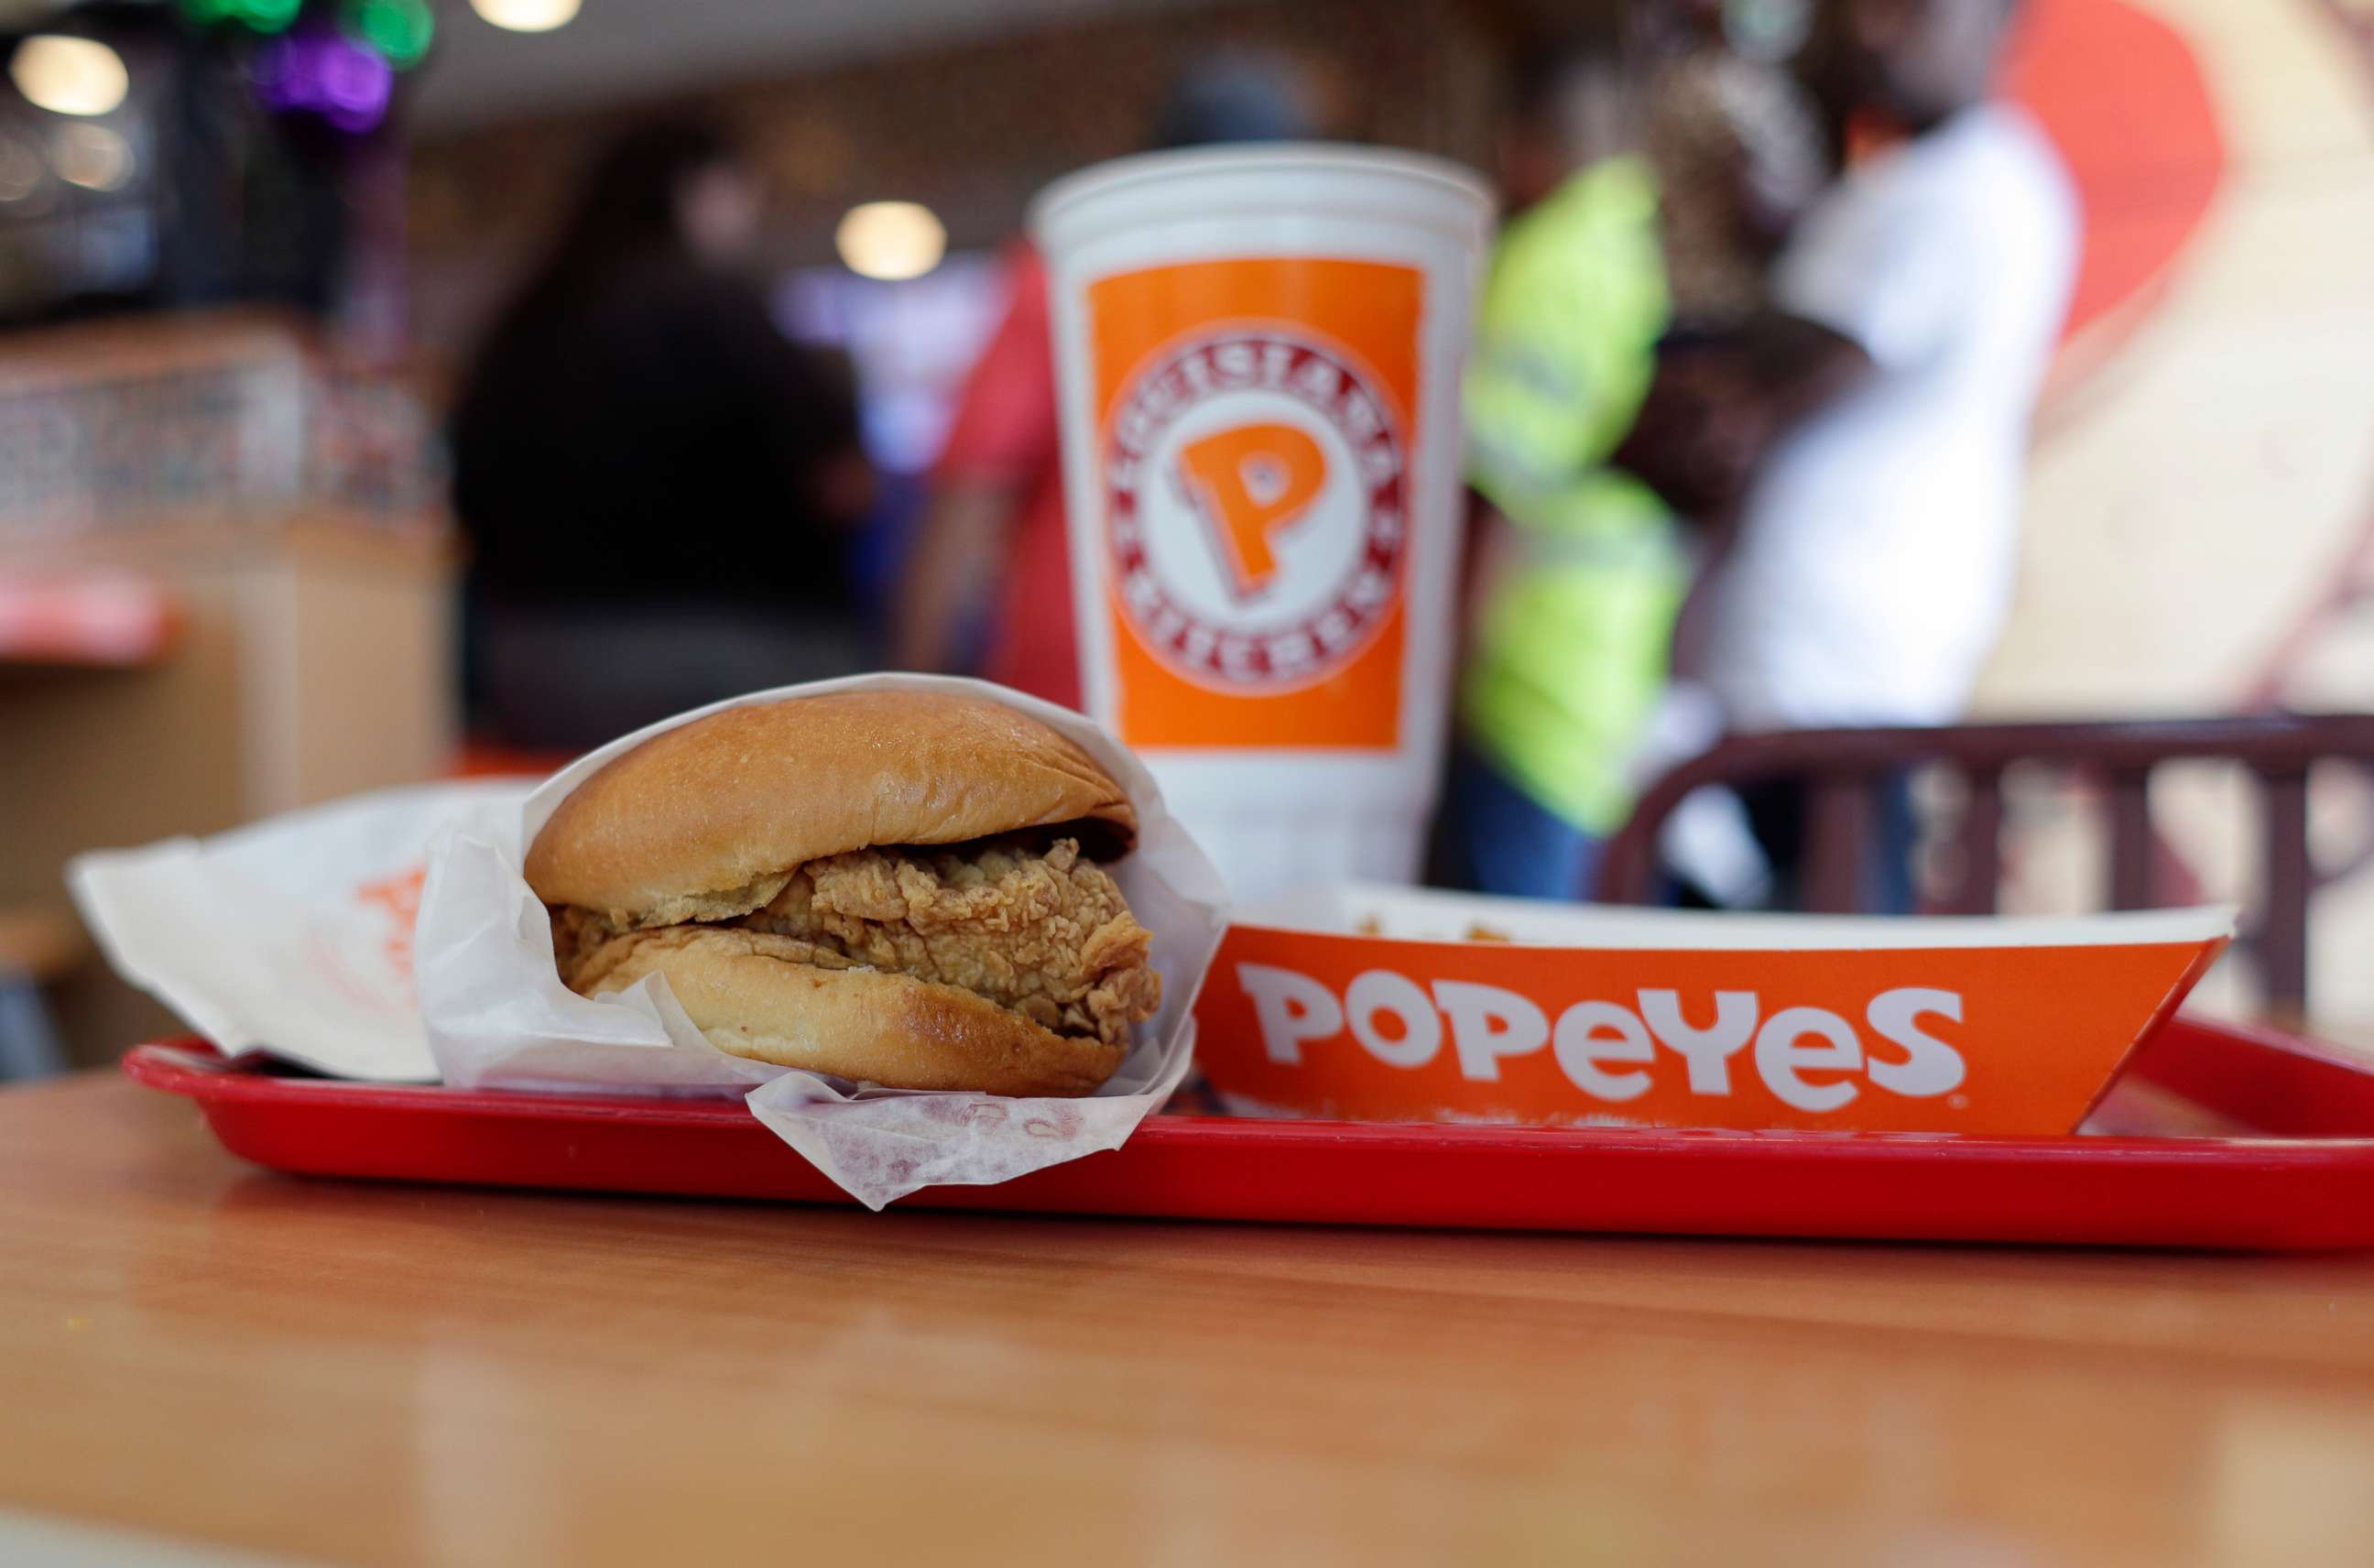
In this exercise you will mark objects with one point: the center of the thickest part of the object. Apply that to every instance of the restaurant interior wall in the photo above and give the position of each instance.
(969, 130)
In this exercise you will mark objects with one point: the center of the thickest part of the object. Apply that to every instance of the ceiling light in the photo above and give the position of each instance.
(891, 241)
(526, 16)
(20, 170)
(400, 30)
(69, 76)
(92, 157)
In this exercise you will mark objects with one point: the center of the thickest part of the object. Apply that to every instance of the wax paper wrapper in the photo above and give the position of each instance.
(496, 1015)
(291, 936)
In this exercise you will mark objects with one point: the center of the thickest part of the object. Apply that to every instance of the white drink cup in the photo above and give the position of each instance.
(1258, 353)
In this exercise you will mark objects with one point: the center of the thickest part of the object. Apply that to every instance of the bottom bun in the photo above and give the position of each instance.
(768, 998)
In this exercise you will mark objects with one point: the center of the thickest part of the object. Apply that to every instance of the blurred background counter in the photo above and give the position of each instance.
(226, 591)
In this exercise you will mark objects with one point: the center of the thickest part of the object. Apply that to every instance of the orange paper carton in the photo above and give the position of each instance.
(1390, 1004)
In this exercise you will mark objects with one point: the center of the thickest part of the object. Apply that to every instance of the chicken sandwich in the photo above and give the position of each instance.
(899, 888)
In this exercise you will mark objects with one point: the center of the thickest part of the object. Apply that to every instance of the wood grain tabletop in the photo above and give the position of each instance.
(348, 1372)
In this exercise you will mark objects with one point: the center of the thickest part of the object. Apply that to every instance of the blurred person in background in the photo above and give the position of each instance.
(657, 486)
(988, 584)
(1739, 150)
(1740, 153)
(1580, 567)
(1876, 421)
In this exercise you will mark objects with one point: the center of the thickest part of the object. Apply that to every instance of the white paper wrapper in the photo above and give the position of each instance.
(497, 1014)
(292, 935)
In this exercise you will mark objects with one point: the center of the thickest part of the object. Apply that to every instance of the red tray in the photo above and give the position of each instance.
(2301, 1175)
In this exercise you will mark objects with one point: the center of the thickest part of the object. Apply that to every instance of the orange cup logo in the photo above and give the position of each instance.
(1254, 492)
(1257, 429)
(1247, 481)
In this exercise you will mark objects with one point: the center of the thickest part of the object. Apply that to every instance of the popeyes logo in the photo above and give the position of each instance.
(2018, 1041)
(1255, 490)
(397, 900)
(1808, 1058)
(362, 948)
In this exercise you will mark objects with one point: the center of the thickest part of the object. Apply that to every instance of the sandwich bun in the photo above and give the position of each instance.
(708, 822)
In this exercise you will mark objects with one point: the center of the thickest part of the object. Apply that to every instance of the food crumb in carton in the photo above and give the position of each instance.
(1374, 925)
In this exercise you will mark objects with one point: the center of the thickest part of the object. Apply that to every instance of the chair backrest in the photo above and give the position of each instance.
(1840, 770)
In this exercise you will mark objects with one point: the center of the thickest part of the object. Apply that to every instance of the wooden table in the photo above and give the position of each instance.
(397, 1374)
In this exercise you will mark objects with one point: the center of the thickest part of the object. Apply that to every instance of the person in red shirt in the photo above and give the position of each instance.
(996, 518)
(992, 544)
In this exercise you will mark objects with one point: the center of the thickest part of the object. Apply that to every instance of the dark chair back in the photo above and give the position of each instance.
(1842, 769)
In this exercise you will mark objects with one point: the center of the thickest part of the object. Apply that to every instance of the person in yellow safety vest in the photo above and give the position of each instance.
(1585, 569)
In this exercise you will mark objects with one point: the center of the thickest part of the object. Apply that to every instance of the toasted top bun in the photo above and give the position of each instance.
(708, 821)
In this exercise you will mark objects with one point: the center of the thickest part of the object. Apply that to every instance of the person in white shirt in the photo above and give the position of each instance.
(1879, 420)
(1875, 556)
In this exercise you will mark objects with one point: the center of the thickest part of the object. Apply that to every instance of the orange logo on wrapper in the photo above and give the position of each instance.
(399, 897)
(1254, 447)
(2015, 1041)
